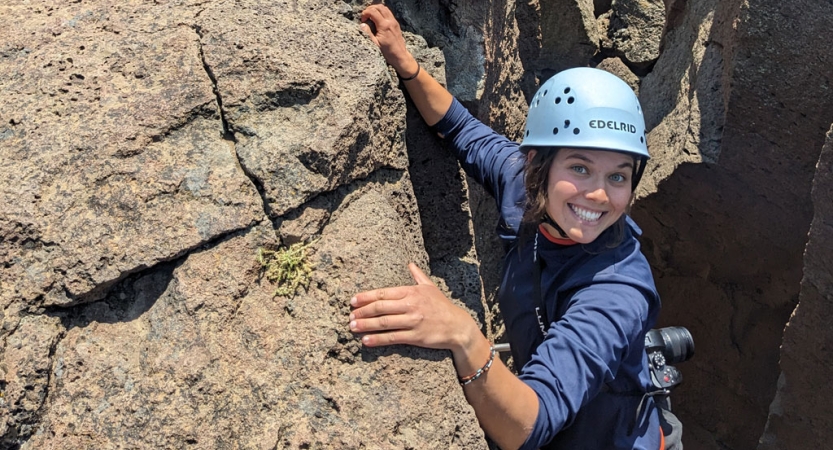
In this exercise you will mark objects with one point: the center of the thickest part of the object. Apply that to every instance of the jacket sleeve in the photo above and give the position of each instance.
(491, 159)
(581, 352)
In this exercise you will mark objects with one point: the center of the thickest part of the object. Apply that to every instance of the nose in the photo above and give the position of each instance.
(598, 194)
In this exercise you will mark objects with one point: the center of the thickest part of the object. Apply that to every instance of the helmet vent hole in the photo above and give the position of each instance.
(576, 131)
(567, 90)
(641, 139)
(557, 100)
(527, 133)
(571, 100)
(544, 94)
(538, 102)
(555, 130)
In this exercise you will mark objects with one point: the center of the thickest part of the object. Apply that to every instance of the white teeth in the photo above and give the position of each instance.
(584, 214)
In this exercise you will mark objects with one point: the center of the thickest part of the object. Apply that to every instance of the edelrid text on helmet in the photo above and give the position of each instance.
(618, 126)
(586, 108)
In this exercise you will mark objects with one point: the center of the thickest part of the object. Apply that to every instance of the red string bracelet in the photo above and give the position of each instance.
(466, 380)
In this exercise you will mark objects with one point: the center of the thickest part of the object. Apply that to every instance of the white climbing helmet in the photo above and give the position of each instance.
(586, 108)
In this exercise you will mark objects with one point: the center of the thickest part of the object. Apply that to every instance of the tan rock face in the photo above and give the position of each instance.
(144, 150)
(201, 353)
(103, 151)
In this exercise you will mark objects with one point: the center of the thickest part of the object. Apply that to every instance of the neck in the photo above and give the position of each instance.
(550, 234)
(553, 227)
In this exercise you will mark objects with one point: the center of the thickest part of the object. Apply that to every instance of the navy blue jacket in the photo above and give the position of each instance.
(590, 372)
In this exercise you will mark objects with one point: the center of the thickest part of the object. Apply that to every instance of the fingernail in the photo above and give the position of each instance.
(352, 316)
(365, 339)
(353, 324)
(353, 301)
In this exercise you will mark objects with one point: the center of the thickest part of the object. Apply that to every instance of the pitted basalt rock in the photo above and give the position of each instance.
(635, 30)
(116, 152)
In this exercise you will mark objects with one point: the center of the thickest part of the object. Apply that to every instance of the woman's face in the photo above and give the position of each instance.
(588, 191)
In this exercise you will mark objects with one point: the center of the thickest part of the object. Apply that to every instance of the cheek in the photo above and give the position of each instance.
(561, 190)
(621, 199)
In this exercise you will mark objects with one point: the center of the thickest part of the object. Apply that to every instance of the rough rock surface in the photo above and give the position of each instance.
(635, 30)
(569, 35)
(684, 96)
(801, 415)
(144, 150)
(200, 350)
(92, 161)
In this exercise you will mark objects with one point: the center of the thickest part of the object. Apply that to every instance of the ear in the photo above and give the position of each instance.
(531, 154)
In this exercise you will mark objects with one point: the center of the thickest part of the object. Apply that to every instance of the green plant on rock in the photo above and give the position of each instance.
(286, 266)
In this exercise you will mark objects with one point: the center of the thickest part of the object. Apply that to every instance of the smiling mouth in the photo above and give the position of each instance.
(586, 215)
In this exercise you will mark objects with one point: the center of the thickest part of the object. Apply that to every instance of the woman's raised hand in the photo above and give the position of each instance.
(415, 315)
(383, 29)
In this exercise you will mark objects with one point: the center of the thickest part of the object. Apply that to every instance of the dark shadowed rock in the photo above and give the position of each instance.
(801, 415)
(569, 35)
(684, 96)
(456, 29)
(737, 226)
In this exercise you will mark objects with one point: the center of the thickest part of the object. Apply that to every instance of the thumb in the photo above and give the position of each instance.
(419, 275)
(369, 32)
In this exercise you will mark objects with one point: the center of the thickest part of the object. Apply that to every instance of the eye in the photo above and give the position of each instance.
(579, 169)
(618, 178)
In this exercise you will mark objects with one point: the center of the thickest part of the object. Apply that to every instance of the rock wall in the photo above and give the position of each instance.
(726, 236)
(147, 151)
(800, 416)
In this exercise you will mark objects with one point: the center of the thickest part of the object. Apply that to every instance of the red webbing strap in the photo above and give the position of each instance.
(661, 439)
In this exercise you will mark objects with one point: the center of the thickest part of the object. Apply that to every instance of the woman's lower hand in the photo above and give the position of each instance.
(415, 315)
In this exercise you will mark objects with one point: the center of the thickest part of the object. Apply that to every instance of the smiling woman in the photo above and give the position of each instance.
(577, 295)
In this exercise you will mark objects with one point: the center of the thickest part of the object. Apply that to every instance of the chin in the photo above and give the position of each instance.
(582, 238)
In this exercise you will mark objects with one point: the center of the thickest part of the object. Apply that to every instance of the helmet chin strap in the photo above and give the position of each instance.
(638, 169)
(548, 220)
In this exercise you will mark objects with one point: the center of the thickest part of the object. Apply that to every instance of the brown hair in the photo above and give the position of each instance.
(536, 180)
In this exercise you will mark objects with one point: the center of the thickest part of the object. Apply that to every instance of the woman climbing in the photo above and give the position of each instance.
(577, 295)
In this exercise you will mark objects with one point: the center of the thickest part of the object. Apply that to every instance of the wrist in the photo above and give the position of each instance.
(465, 380)
(408, 68)
(471, 352)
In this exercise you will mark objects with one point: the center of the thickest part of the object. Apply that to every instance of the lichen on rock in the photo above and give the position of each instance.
(288, 267)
